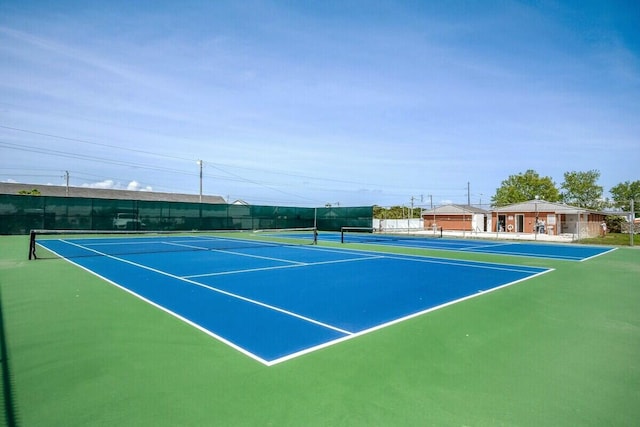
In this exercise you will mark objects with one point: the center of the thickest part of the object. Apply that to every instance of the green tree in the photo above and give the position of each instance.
(581, 189)
(523, 187)
(395, 212)
(614, 223)
(624, 192)
(34, 192)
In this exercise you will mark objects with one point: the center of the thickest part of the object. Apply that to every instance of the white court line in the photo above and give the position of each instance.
(226, 251)
(423, 258)
(248, 270)
(179, 239)
(348, 334)
(306, 264)
(446, 261)
(533, 255)
(486, 246)
(221, 291)
(166, 310)
(487, 250)
(393, 322)
(204, 248)
(513, 254)
(597, 255)
(469, 264)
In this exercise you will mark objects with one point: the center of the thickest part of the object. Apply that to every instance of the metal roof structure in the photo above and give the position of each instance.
(528, 206)
(101, 193)
(544, 206)
(453, 209)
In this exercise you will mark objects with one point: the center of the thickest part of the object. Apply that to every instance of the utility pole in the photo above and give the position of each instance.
(434, 212)
(411, 212)
(468, 193)
(66, 175)
(413, 198)
(200, 163)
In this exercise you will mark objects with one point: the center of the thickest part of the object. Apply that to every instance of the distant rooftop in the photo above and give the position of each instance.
(101, 193)
(544, 206)
(453, 209)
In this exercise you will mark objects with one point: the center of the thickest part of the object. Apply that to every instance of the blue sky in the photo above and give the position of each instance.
(307, 103)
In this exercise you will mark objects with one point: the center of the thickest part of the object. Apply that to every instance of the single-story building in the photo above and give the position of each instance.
(527, 217)
(548, 218)
(456, 217)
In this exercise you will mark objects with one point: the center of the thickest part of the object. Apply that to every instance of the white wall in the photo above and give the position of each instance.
(398, 224)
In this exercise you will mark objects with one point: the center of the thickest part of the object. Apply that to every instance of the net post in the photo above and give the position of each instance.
(32, 245)
(341, 234)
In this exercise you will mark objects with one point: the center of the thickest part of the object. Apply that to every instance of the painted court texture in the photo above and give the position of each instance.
(551, 348)
(293, 298)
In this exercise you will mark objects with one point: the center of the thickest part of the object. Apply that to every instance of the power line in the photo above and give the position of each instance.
(65, 154)
(84, 141)
(234, 177)
(213, 164)
(58, 153)
(223, 169)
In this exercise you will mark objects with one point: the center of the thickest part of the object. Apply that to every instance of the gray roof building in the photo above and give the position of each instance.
(101, 193)
(544, 206)
(454, 210)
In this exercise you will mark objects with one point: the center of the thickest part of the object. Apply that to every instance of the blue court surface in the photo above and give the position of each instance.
(276, 302)
(569, 252)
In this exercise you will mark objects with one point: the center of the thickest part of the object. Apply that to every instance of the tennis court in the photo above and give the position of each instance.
(273, 300)
(550, 350)
(537, 250)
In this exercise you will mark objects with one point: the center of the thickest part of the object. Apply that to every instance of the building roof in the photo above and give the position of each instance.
(101, 193)
(528, 206)
(544, 206)
(454, 210)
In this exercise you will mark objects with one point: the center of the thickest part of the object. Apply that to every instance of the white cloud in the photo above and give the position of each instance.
(110, 184)
(136, 186)
(106, 184)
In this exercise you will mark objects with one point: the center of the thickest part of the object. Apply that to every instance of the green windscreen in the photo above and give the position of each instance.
(21, 213)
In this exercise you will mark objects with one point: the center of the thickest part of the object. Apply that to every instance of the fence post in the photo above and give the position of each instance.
(632, 222)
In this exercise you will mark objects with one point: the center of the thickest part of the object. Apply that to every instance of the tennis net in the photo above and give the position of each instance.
(82, 243)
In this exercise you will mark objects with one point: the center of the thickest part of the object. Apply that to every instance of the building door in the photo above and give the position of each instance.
(502, 223)
(519, 223)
